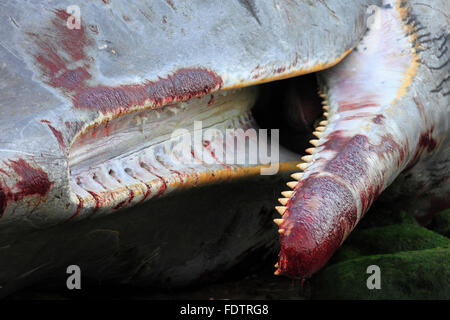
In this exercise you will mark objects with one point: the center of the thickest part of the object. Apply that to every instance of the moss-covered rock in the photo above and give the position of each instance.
(396, 238)
(441, 223)
(345, 252)
(420, 274)
(389, 239)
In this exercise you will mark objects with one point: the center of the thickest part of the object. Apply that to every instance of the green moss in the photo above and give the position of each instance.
(414, 260)
(396, 238)
(345, 252)
(388, 239)
(421, 274)
(441, 223)
(379, 217)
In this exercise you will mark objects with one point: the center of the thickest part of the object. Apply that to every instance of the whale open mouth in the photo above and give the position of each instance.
(354, 150)
(141, 153)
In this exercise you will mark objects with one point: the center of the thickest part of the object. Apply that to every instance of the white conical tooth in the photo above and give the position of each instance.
(281, 231)
(323, 123)
(317, 134)
(325, 114)
(307, 158)
(281, 210)
(302, 166)
(320, 129)
(283, 201)
(287, 194)
(310, 150)
(278, 221)
(314, 142)
(292, 184)
(297, 176)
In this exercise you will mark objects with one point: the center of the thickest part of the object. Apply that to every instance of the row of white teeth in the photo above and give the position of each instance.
(318, 132)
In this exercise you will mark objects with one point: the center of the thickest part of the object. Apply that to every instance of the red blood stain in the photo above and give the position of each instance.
(323, 209)
(420, 107)
(368, 196)
(95, 178)
(350, 163)
(353, 106)
(184, 84)
(379, 119)
(280, 70)
(320, 213)
(207, 145)
(170, 3)
(107, 128)
(34, 181)
(426, 144)
(55, 72)
(179, 174)
(79, 208)
(147, 193)
(58, 135)
(162, 189)
(335, 141)
(61, 47)
(72, 41)
(356, 116)
(120, 205)
(125, 202)
(93, 28)
(426, 141)
(97, 201)
(163, 186)
(194, 156)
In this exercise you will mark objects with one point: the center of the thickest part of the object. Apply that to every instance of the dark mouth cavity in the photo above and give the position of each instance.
(293, 106)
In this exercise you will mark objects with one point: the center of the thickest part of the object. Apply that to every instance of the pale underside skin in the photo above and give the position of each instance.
(379, 123)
